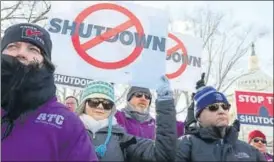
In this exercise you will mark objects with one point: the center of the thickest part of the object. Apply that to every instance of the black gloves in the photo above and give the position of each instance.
(199, 84)
(190, 121)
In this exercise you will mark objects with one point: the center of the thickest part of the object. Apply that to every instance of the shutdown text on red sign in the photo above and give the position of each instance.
(255, 108)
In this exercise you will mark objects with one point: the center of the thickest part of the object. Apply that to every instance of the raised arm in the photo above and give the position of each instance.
(164, 146)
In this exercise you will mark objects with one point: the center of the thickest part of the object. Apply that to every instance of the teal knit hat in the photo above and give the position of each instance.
(99, 89)
(96, 89)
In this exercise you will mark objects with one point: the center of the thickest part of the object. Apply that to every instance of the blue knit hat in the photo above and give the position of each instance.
(207, 96)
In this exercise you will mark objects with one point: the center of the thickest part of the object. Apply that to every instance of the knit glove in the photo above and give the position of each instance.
(164, 91)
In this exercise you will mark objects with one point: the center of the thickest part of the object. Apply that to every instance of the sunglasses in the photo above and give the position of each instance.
(256, 140)
(215, 107)
(95, 102)
(141, 94)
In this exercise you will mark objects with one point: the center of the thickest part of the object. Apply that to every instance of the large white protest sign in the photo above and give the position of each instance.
(112, 41)
(183, 61)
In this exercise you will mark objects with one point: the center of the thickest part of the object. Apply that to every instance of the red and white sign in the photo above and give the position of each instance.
(114, 41)
(183, 62)
(255, 108)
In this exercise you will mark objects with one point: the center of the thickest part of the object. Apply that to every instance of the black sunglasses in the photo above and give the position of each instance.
(215, 107)
(95, 102)
(256, 140)
(141, 94)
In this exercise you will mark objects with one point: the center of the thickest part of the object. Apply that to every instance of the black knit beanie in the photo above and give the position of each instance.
(30, 33)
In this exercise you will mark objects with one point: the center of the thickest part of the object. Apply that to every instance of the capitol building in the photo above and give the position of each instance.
(257, 81)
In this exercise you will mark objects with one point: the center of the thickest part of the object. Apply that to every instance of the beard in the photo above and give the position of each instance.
(19, 82)
(23, 89)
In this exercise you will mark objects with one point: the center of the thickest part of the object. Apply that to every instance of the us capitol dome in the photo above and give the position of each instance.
(256, 81)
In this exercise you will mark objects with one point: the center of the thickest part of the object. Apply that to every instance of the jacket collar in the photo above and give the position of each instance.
(214, 134)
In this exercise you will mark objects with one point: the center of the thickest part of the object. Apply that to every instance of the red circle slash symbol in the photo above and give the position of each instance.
(170, 51)
(81, 48)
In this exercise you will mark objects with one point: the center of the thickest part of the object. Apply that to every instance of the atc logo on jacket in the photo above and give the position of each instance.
(50, 119)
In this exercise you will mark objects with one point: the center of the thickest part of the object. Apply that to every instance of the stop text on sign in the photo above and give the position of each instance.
(255, 99)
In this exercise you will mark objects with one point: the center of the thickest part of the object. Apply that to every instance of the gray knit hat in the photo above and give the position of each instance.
(135, 89)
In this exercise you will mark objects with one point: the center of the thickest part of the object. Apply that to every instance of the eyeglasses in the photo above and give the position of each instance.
(95, 102)
(215, 107)
(140, 94)
(70, 103)
(256, 140)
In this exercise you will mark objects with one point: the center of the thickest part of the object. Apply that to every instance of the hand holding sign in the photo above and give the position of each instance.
(164, 91)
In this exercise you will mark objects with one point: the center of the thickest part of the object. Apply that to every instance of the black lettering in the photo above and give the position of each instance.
(55, 25)
(123, 36)
(67, 27)
(98, 29)
(176, 57)
(197, 62)
(114, 38)
(188, 60)
(159, 44)
(86, 34)
(168, 57)
(142, 41)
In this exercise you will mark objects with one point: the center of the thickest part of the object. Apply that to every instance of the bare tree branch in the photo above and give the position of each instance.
(31, 10)
(225, 43)
(23, 11)
(233, 80)
(42, 15)
(118, 100)
(16, 6)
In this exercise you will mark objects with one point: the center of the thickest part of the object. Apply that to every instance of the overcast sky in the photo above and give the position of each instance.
(257, 13)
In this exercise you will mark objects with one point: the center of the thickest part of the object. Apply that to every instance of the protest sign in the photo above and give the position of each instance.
(115, 41)
(255, 108)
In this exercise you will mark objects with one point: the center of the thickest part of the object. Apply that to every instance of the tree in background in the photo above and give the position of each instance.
(23, 11)
(225, 43)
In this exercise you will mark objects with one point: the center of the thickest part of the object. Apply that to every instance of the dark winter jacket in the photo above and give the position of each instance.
(207, 145)
(125, 147)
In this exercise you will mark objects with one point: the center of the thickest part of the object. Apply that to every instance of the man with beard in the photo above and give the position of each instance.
(215, 140)
(136, 118)
(34, 126)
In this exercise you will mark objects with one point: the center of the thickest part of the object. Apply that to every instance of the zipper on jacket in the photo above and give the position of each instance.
(222, 149)
(222, 141)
